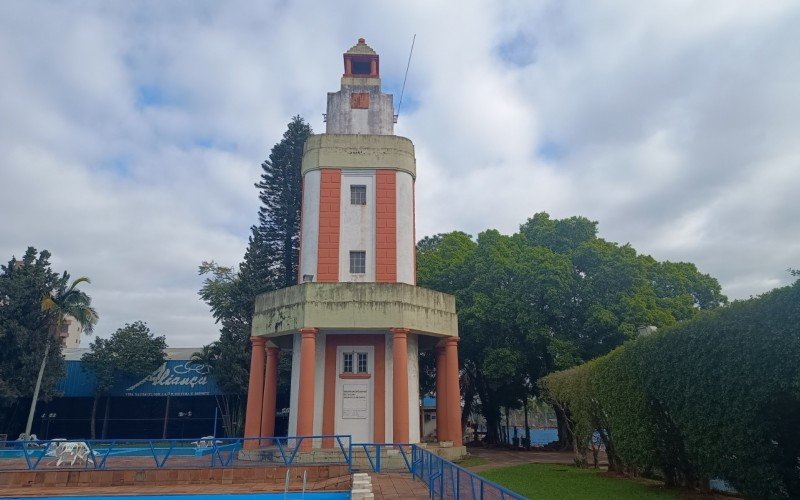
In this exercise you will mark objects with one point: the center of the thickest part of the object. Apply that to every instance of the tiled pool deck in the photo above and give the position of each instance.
(391, 486)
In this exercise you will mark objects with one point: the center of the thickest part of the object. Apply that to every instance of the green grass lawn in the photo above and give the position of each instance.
(472, 461)
(555, 482)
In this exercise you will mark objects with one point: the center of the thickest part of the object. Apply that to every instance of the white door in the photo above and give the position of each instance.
(354, 392)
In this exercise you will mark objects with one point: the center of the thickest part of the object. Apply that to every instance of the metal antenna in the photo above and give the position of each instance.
(402, 90)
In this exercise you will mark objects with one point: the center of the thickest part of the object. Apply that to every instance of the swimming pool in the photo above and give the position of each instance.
(292, 495)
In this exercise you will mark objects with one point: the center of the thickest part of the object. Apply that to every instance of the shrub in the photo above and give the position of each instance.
(717, 396)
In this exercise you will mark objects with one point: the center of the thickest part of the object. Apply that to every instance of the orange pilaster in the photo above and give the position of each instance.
(454, 431)
(255, 392)
(305, 400)
(270, 393)
(441, 395)
(330, 196)
(400, 385)
(386, 226)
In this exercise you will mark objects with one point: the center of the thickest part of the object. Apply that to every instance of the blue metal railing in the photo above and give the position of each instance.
(447, 480)
(444, 479)
(173, 453)
(374, 453)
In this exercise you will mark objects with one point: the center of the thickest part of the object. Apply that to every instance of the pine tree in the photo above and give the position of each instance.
(280, 194)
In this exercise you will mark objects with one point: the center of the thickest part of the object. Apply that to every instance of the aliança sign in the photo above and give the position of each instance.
(172, 378)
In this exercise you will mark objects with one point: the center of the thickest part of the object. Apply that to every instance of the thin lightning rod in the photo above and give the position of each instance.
(402, 90)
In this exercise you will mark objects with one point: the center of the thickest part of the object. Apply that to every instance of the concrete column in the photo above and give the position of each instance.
(270, 393)
(441, 395)
(373, 67)
(305, 399)
(400, 385)
(453, 392)
(255, 392)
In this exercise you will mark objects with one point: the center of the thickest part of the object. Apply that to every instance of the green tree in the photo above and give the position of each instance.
(34, 302)
(280, 194)
(132, 351)
(547, 298)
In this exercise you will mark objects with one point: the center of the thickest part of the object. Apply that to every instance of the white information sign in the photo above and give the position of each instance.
(354, 401)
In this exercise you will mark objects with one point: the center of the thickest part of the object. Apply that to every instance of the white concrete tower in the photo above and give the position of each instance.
(356, 322)
(358, 185)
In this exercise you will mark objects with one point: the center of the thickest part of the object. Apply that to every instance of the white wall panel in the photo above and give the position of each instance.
(405, 228)
(357, 228)
(309, 236)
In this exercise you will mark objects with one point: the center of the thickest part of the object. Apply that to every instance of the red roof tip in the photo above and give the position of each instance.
(361, 41)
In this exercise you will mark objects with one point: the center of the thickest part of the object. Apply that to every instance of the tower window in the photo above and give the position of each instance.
(361, 67)
(358, 262)
(355, 362)
(348, 362)
(362, 362)
(358, 195)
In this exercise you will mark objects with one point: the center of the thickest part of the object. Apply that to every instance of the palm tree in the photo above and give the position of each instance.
(70, 302)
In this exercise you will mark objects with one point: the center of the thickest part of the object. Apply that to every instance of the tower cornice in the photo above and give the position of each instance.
(346, 151)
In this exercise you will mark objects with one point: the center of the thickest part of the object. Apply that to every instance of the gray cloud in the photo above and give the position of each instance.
(131, 134)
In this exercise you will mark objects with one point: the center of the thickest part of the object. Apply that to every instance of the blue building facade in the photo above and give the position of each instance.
(177, 400)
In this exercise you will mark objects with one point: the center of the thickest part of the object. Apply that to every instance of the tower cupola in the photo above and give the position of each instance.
(360, 107)
(361, 61)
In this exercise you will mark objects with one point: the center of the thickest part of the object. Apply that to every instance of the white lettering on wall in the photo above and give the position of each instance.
(188, 374)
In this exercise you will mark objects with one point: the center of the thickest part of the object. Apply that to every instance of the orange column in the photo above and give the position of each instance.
(255, 392)
(453, 392)
(441, 395)
(270, 393)
(305, 399)
(400, 385)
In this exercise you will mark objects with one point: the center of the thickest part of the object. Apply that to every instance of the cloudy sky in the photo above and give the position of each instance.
(131, 133)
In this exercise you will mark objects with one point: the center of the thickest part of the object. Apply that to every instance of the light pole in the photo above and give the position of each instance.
(49, 417)
(184, 416)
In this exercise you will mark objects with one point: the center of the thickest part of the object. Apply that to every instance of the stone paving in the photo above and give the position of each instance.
(396, 485)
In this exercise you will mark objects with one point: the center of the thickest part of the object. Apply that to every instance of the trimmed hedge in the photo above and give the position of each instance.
(715, 397)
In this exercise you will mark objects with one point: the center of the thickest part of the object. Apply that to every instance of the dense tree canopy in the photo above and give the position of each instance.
(131, 351)
(33, 301)
(547, 298)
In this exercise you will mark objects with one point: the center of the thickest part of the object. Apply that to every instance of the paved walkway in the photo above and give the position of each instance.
(397, 486)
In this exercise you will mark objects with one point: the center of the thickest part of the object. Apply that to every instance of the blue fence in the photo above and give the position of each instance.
(89, 454)
(444, 479)
(375, 453)
(447, 480)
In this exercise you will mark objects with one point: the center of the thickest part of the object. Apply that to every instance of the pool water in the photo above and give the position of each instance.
(324, 495)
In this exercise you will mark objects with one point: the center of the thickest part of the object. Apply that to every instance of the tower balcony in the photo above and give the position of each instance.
(349, 307)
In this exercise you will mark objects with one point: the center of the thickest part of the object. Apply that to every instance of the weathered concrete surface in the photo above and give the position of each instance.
(377, 118)
(359, 152)
(355, 306)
